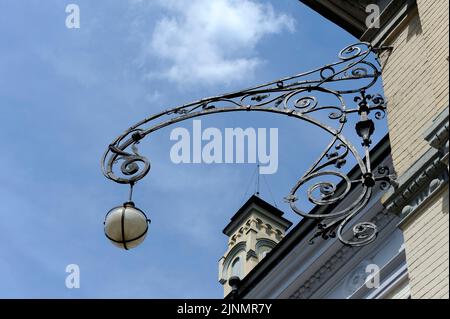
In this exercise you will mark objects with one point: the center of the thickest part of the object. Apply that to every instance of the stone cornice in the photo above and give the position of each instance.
(437, 135)
(348, 15)
(391, 17)
(352, 15)
(426, 177)
(309, 286)
(256, 205)
(417, 187)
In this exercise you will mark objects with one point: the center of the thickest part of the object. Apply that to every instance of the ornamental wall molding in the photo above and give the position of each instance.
(255, 225)
(329, 268)
(438, 135)
(426, 177)
(421, 198)
(357, 277)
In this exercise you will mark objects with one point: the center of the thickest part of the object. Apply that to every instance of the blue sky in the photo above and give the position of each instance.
(65, 94)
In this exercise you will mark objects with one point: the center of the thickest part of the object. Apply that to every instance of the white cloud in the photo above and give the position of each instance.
(212, 42)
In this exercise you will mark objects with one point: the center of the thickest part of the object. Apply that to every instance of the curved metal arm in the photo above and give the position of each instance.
(295, 96)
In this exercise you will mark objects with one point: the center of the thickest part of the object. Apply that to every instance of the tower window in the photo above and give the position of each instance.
(236, 268)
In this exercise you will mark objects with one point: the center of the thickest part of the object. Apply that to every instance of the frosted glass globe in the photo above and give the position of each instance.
(126, 226)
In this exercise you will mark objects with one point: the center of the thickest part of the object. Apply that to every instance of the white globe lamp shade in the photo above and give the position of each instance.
(126, 226)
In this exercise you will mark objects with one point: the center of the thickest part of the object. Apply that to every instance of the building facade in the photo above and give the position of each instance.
(410, 258)
(296, 268)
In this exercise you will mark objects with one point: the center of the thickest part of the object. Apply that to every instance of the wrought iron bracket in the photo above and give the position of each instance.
(303, 96)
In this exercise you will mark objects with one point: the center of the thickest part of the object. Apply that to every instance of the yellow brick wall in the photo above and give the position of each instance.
(427, 249)
(415, 78)
(435, 19)
(416, 84)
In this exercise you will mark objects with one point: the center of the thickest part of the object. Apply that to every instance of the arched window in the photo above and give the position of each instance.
(236, 268)
(263, 247)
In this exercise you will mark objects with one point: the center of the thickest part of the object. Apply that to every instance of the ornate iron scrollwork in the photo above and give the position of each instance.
(296, 96)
